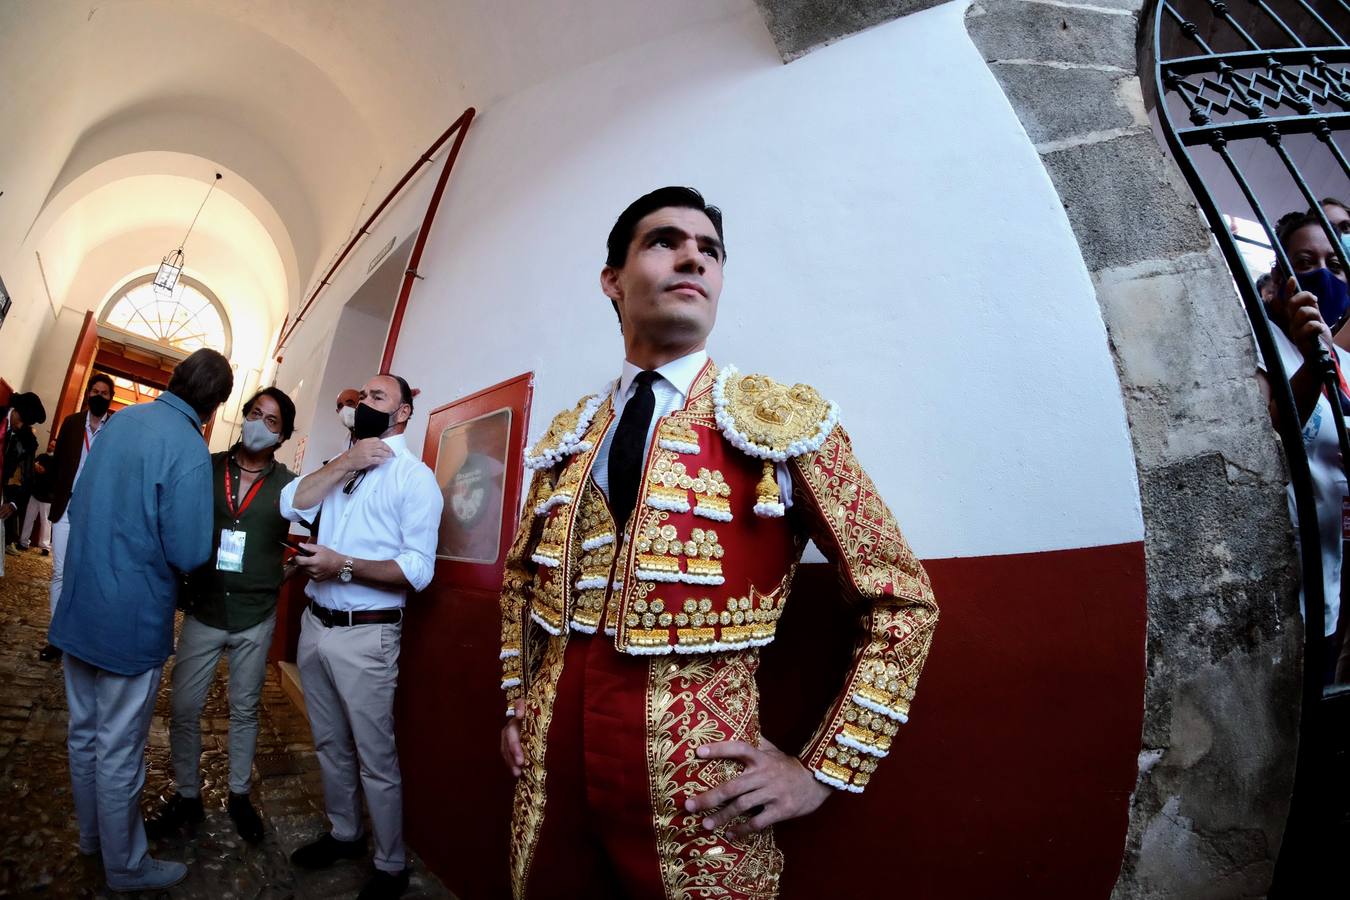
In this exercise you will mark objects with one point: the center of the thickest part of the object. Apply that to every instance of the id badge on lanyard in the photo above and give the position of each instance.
(230, 557)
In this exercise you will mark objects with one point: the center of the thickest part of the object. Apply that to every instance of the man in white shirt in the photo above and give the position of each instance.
(376, 509)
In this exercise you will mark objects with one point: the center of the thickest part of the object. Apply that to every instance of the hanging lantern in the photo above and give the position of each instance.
(171, 266)
(169, 270)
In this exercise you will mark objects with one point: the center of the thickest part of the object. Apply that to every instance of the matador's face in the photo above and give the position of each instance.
(667, 288)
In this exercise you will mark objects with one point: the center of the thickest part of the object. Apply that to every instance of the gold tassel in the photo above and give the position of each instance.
(768, 499)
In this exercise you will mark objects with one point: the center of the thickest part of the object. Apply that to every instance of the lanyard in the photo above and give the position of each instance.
(248, 498)
(88, 442)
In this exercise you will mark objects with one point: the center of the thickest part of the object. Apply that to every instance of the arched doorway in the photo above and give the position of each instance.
(140, 335)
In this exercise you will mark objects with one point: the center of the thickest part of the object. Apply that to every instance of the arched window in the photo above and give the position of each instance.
(185, 320)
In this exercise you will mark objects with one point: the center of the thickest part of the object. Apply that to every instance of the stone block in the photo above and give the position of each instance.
(800, 26)
(1058, 103)
(1009, 29)
(1187, 365)
(1125, 201)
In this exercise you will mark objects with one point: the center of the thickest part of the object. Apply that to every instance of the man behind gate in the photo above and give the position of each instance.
(663, 524)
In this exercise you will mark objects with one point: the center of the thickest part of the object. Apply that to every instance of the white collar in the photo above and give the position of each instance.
(89, 418)
(397, 442)
(679, 372)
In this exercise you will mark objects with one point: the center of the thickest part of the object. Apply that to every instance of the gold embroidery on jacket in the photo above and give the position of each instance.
(691, 702)
(531, 796)
(884, 574)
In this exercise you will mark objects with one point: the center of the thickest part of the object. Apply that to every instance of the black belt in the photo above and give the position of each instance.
(334, 618)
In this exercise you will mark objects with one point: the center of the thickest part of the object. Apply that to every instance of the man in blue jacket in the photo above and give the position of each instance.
(140, 516)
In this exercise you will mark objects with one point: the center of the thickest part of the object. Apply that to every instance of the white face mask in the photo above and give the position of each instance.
(257, 436)
(347, 416)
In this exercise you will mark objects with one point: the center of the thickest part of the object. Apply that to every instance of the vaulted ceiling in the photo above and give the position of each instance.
(117, 113)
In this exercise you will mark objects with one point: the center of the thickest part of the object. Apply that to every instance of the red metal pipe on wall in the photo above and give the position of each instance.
(410, 275)
(459, 127)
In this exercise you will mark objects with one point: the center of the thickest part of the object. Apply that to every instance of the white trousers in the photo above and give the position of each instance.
(60, 537)
(109, 724)
(349, 674)
(36, 515)
(194, 668)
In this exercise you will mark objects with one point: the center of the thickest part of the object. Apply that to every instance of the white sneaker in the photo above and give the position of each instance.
(157, 874)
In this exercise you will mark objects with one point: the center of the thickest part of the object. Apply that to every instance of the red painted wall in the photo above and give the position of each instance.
(1011, 780)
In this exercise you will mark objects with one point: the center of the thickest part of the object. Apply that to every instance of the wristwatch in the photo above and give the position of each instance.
(345, 573)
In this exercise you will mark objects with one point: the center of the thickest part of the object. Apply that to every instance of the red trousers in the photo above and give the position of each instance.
(619, 764)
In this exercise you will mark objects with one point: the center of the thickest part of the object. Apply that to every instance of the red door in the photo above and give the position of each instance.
(457, 792)
(77, 373)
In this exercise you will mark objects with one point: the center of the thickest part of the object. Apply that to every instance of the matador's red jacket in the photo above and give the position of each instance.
(707, 560)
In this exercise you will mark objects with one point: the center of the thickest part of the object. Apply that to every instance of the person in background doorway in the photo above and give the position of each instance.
(39, 505)
(1338, 214)
(230, 606)
(76, 437)
(140, 519)
(1265, 286)
(347, 401)
(18, 450)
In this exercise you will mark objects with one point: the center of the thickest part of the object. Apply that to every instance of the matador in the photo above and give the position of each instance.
(664, 520)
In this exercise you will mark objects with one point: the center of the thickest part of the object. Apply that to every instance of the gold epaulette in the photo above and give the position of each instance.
(565, 435)
(768, 420)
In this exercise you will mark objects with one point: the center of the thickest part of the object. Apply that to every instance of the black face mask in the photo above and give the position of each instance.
(98, 406)
(370, 422)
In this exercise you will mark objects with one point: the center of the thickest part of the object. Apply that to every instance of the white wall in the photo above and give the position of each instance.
(893, 240)
(315, 351)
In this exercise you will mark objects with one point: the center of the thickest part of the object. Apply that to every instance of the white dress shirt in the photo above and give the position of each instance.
(392, 513)
(89, 437)
(672, 393)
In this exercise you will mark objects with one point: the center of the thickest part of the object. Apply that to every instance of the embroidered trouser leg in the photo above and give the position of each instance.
(349, 675)
(199, 649)
(618, 766)
(109, 724)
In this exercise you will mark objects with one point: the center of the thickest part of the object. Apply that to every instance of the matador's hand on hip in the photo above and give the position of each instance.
(773, 787)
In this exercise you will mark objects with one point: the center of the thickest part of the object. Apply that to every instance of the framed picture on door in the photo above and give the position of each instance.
(476, 447)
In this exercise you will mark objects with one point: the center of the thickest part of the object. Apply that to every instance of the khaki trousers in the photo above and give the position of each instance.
(349, 674)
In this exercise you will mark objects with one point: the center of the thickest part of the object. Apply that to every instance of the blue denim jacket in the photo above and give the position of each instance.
(140, 515)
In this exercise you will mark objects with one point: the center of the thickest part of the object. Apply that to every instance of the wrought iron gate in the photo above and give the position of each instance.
(1272, 74)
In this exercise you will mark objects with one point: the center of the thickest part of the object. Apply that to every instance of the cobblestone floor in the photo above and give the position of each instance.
(38, 855)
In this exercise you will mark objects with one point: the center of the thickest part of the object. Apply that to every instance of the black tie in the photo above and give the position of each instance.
(625, 454)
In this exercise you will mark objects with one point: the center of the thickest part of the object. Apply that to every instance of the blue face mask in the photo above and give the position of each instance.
(1333, 296)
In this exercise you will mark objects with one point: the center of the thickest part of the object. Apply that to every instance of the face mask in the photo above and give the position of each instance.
(370, 422)
(257, 436)
(1333, 297)
(98, 406)
(347, 416)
